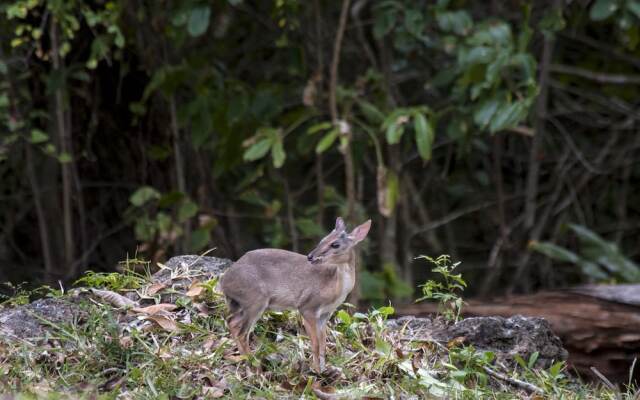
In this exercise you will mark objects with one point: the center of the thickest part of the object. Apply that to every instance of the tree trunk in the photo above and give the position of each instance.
(64, 142)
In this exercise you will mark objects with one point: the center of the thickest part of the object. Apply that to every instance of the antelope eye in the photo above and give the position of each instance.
(335, 245)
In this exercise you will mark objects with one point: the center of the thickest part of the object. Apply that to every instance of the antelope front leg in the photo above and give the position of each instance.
(310, 325)
(321, 327)
(322, 344)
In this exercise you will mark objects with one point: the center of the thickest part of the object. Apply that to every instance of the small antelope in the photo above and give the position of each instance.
(315, 285)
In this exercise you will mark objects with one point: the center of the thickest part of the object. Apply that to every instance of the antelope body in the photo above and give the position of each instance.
(273, 279)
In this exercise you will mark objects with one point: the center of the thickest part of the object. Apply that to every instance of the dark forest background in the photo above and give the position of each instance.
(503, 133)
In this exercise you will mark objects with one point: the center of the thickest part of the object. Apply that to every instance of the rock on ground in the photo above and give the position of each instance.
(28, 321)
(506, 337)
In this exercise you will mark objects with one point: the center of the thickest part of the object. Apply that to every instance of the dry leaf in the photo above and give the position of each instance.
(126, 341)
(165, 323)
(209, 343)
(234, 358)
(456, 342)
(203, 309)
(155, 288)
(212, 392)
(163, 353)
(161, 308)
(215, 389)
(114, 298)
(323, 392)
(195, 290)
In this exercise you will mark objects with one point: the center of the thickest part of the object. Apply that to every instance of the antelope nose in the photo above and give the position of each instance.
(310, 257)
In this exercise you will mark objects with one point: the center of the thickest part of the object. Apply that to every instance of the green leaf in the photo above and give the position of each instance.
(509, 115)
(38, 136)
(383, 347)
(394, 132)
(552, 21)
(588, 236)
(424, 135)
(371, 112)
(532, 359)
(414, 21)
(386, 311)
(553, 251)
(485, 111)
(344, 317)
(188, 209)
(393, 190)
(603, 9)
(309, 227)
(179, 19)
(477, 55)
(458, 22)
(257, 150)
(495, 34)
(555, 369)
(520, 361)
(592, 270)
(384, 23)
(277, 153)
(143, 195)
(634, 7)
(198, 20)
(64, 158)
(322, 126)
(327, 140)
(200, 238)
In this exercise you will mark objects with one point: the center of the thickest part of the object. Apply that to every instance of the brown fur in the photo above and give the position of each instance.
(273, 279)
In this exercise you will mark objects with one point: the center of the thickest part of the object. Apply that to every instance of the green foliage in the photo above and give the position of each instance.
(158, 218)
(22, 293)
(116, 281)
(598, 259)
(447, 291)
(234, 97)
(385, 284)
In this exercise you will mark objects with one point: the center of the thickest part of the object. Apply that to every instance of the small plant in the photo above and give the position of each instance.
(22, 295)
(445, 292)
(467, 365)
(128, 279)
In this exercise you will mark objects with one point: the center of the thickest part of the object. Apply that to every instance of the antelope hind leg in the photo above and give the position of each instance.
(310, 325)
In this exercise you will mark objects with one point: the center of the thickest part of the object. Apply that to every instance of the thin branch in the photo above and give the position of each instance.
(333, 79)
(291, 221)
(453, 216)
(333, 108)
(600, 77)
(355, 13)
(65, 146)
(574, 147)
(529, 387)
(536, 143)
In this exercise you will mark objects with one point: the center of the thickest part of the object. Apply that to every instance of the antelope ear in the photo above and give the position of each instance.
(339, 225)
(360, 232)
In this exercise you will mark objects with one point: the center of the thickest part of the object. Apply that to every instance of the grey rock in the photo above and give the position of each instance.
(28, 321)
(506, 337)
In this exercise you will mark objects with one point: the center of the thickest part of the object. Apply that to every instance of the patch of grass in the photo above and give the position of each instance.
(128, 279)
(119, 354)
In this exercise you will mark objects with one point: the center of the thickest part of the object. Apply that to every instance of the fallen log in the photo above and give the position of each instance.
(598, 324)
